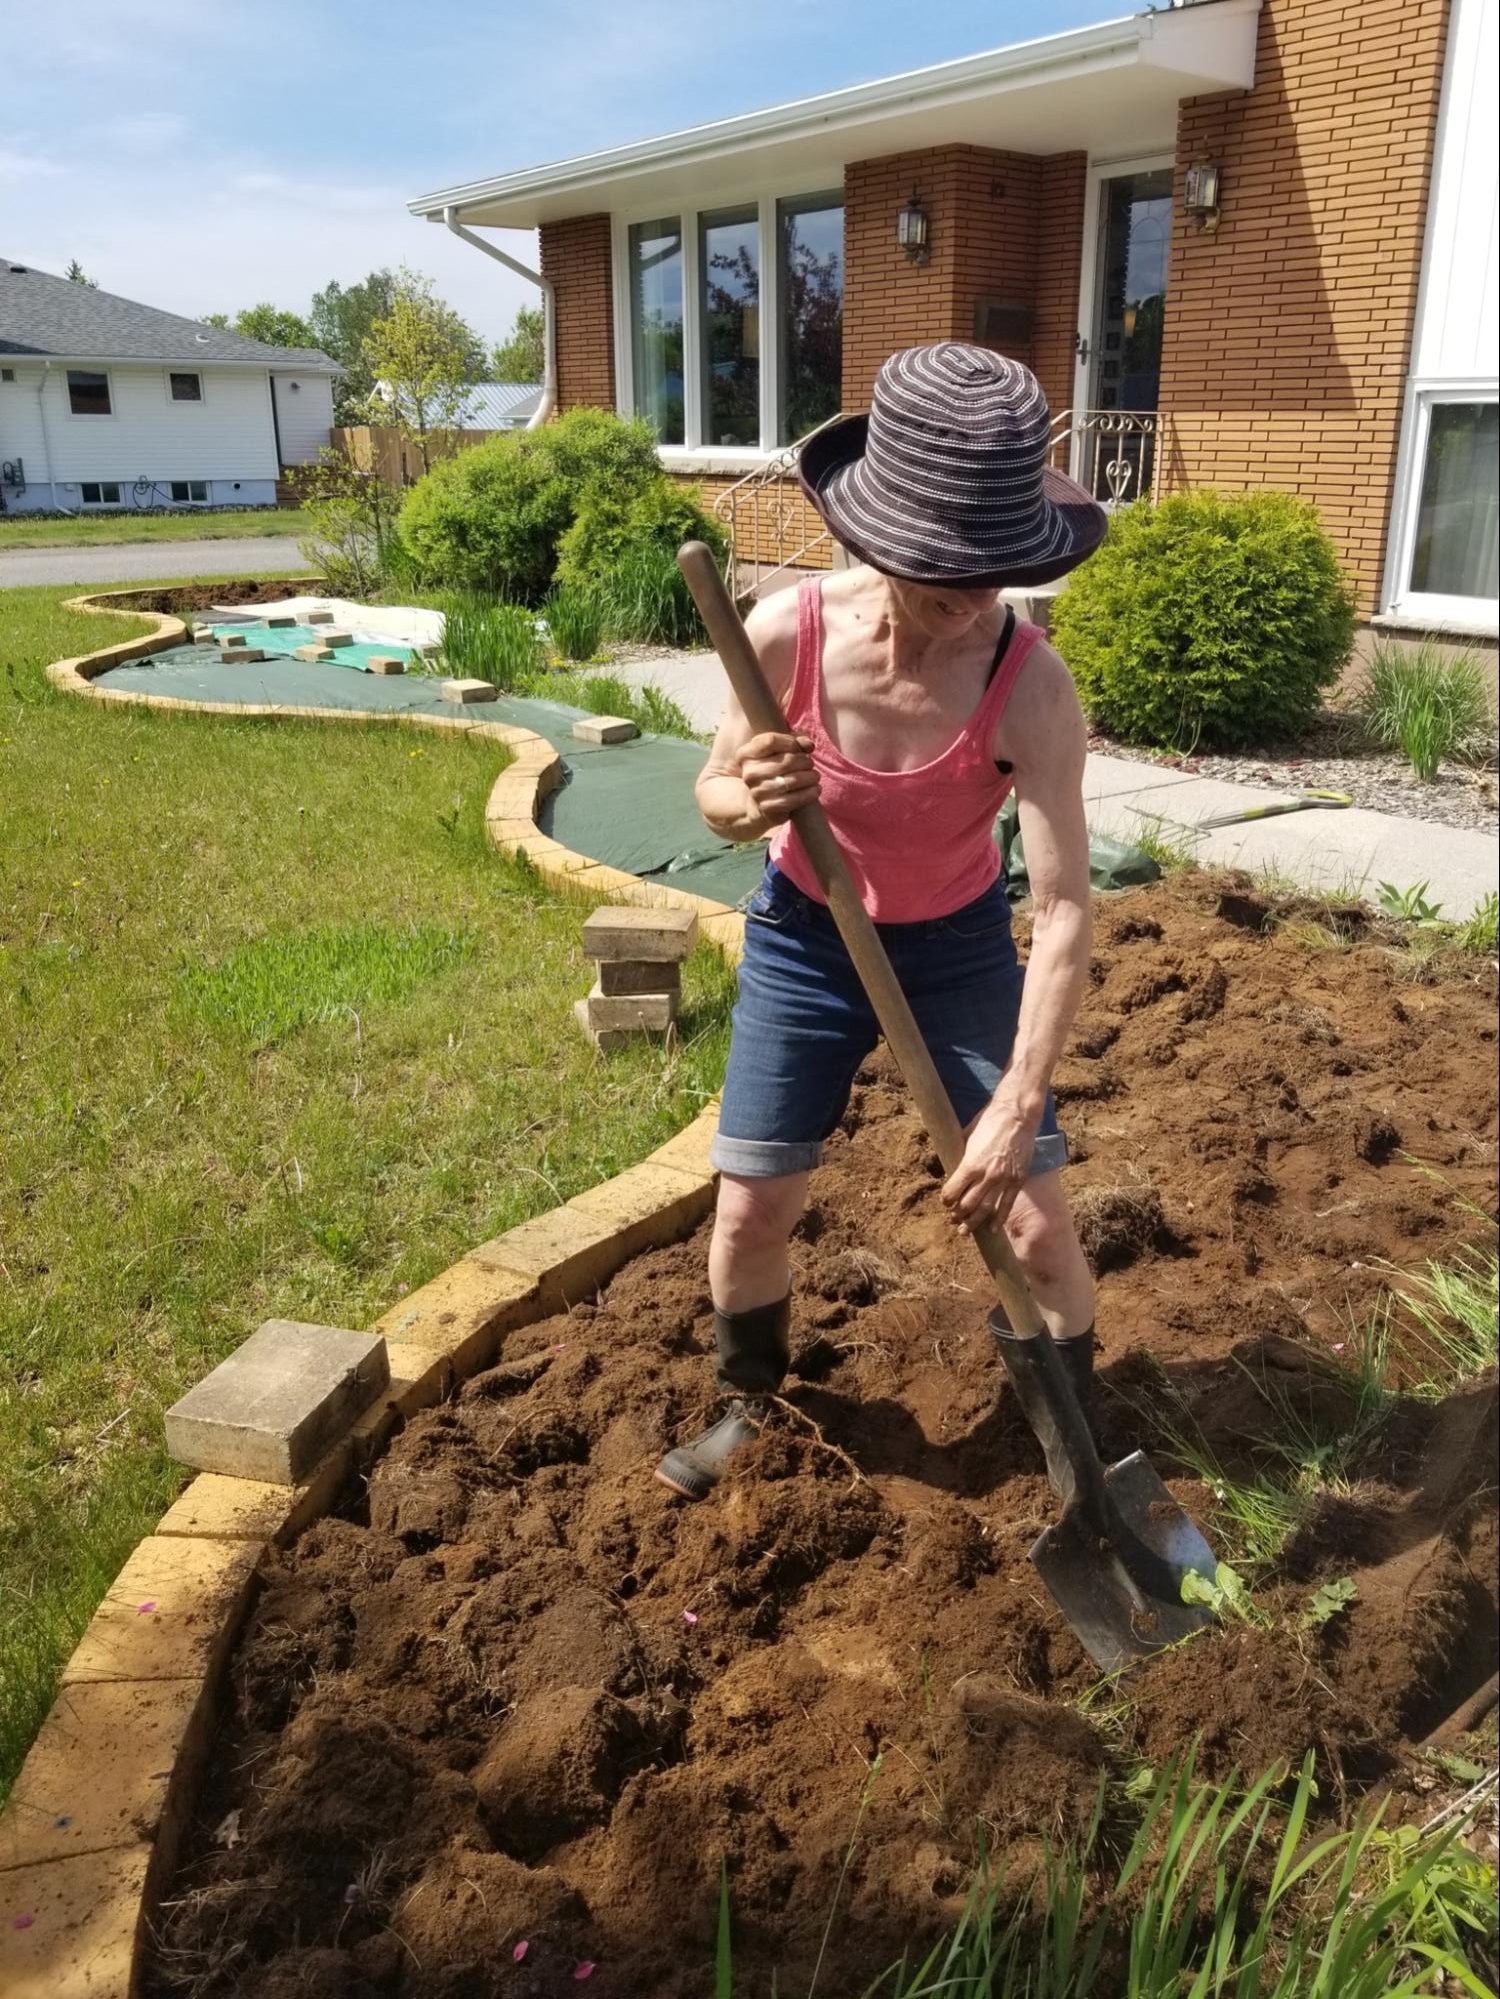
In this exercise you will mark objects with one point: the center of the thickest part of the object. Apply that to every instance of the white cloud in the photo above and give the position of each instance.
(147, 131)
(16, 165)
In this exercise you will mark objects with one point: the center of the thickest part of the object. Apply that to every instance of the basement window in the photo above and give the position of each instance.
(88, 393)
(193, 491)
(99, 493)
(185, 387)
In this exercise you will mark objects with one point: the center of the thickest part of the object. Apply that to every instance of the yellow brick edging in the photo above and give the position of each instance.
(89, 1835)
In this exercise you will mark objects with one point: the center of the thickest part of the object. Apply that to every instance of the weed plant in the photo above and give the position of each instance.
(1432, 706)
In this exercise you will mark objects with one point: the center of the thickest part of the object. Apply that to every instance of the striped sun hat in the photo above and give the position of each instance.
(944, 480)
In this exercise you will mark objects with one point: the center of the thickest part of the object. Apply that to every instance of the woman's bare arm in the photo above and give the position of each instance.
(1042, 736)
(752, 781)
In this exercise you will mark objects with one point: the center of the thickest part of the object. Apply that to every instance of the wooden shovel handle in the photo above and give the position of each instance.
(903, 1037)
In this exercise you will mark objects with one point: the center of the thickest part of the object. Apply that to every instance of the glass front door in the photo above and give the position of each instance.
(1124, 357)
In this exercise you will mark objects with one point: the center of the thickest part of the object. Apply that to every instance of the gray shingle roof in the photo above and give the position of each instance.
(52, 317)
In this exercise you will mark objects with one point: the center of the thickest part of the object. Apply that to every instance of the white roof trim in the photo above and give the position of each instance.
(1206, 43)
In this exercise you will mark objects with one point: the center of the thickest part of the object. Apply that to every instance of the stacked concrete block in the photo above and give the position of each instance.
(637, 956)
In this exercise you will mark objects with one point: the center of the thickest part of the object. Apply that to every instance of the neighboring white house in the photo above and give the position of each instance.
(106, 404)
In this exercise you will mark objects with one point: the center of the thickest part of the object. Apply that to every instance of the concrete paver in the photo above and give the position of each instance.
(130, 561)
(1355, 851)
(271, 1407)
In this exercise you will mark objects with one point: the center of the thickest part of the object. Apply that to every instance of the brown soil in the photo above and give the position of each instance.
(519, 1694)
(184, 597)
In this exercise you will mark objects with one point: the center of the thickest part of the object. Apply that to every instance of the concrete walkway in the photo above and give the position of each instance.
(134, 561)
(1351, 851)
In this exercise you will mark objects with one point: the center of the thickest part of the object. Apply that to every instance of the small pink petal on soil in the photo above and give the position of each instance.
(584, 1970)
(25, 1923)
(521, 1949)
(690, 1617)
(142, 1609)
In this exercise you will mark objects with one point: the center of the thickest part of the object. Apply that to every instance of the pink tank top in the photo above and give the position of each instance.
(921, 843)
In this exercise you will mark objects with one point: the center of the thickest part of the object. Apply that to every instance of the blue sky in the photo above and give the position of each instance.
(205, 154)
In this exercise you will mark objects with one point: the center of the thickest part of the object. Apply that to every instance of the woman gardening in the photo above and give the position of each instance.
(916, 702)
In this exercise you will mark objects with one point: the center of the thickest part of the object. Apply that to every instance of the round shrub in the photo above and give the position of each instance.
(1207, 619)
(610, 527)
(492, 519)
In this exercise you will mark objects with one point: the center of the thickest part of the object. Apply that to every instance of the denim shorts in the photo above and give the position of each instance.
(803, 1025)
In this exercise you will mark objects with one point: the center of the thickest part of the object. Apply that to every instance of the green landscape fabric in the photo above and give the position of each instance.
(287, 638)
(629, 805)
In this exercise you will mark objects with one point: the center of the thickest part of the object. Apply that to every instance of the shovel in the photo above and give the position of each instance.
(1117, 1559)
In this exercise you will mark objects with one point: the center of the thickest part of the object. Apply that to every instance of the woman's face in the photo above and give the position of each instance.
(937, 610)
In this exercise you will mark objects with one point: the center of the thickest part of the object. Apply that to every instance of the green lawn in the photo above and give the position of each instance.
(16, 531)
(282, 1036)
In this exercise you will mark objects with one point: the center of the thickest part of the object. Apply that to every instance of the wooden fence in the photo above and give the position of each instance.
(381, 448)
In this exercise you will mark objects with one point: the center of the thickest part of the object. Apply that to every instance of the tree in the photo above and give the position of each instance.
(342, 316)
(80, 276)
(272, 325)
(422, 358)
(522, 357)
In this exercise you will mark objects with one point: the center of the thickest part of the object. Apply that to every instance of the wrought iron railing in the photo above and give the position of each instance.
(771, 526)
(1112, 452)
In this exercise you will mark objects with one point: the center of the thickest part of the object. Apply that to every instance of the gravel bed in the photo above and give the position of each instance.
(1329, 758)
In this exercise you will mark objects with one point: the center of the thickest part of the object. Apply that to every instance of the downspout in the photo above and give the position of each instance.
(41, 417)
(548, 402)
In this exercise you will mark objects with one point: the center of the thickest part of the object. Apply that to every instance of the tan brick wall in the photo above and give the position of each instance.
(1003, 226)
(767, 530)
(1288, 331)
(576, 260)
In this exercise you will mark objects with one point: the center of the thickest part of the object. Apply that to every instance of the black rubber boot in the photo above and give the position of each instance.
(755, 1350)
(1021, 1364)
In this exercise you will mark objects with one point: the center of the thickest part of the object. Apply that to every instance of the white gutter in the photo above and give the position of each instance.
(41, 417)
(548, 401)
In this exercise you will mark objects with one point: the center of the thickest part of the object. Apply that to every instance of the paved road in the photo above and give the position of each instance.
(125, 561)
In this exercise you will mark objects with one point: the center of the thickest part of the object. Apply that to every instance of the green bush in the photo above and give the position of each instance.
(611, 526)
(1207, 619)
(1428, 704)
(491, 519)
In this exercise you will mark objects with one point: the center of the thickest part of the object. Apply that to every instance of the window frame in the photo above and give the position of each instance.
(1429, 609)
(187, 499)
(101, 502)
(813, 202)
(694, 455)
(111, 415)
(185, 402)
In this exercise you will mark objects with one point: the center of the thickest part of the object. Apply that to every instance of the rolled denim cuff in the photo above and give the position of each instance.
(763, 1158)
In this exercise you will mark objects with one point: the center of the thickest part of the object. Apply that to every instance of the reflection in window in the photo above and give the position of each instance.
(656, 324)
(731, 328)
(88, 392)
(1458, 524)
(811, 237)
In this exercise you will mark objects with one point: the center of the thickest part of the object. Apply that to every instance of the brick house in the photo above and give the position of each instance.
(1241, 242)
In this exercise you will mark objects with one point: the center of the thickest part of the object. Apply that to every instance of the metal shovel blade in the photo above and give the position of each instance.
(1118, 1617)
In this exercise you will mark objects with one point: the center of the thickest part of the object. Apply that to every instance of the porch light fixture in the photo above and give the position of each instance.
(911, 230)
(1201, 196)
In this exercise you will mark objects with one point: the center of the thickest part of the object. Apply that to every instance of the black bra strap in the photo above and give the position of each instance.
(1002, 644)
(1007, 633)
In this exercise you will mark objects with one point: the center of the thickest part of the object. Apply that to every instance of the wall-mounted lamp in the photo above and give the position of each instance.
(911, 230)
(1201, 196)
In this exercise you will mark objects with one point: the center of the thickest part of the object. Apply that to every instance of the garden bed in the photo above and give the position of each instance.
(515, 1696)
